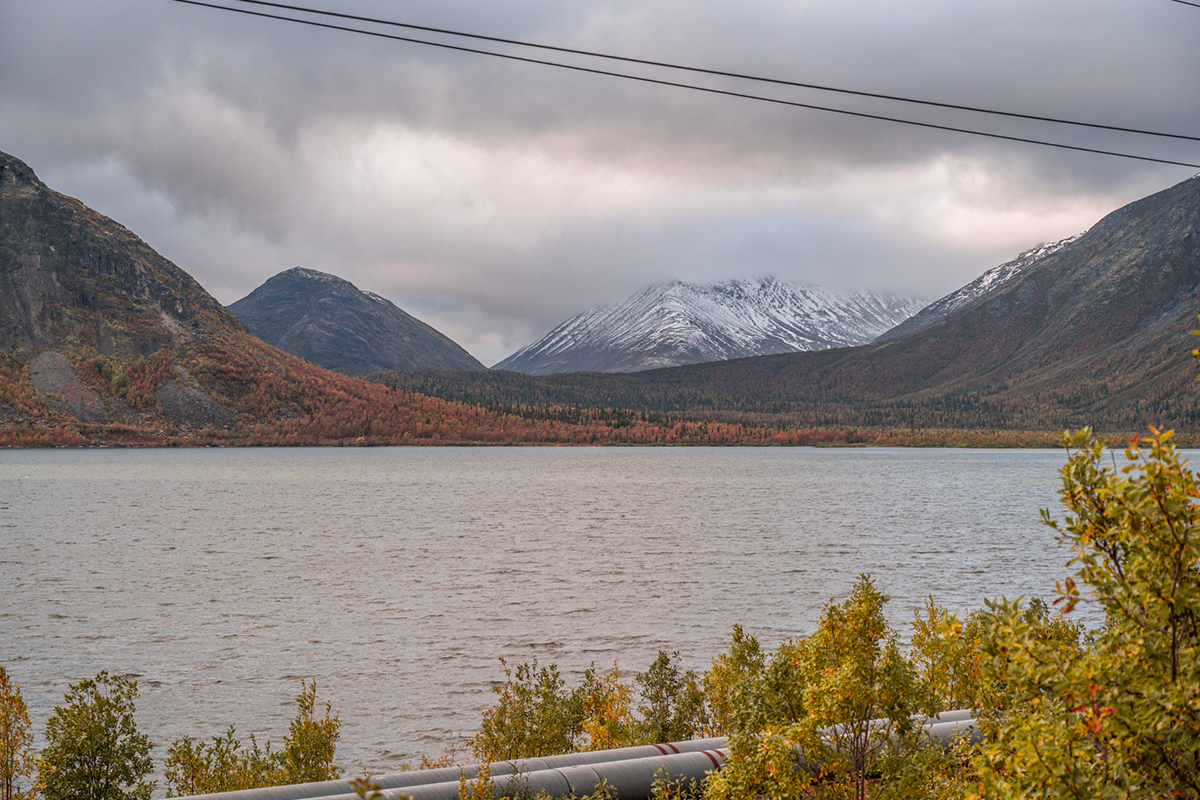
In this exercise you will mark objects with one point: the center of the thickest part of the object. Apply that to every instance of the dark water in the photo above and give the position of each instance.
(397, 577)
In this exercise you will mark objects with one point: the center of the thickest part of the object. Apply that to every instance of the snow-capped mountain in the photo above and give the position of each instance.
(686, 323)
(989, 281)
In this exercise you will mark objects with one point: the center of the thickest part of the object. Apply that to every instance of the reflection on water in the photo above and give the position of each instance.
(396, 577)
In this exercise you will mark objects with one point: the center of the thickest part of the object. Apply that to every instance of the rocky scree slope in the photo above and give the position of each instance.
(67, 271)
(74, 281)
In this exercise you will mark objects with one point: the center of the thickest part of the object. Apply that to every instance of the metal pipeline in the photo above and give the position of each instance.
(958, 715)
(335, 790)
(631, 779)
(629, 772)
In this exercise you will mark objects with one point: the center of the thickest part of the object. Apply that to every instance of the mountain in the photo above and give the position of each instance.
(69, 272)
(989, 281)
(330, 322)
(75, 281)
(1097, 332)
(686, 323)
(105, 342)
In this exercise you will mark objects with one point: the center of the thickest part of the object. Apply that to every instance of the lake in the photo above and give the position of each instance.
(221, 578)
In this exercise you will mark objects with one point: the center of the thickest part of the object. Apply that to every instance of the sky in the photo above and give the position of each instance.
(494, 198)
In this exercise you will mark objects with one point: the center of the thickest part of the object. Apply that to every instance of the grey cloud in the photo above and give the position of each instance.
(502, 198)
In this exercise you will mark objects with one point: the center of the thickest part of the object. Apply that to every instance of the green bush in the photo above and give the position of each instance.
(224, 765)
(673, 708)
(537, 715)
(729, 681)
(534, 716)
(197, 767)
(1117, 716)
(94, 750)
(807, 717)
(309, 748)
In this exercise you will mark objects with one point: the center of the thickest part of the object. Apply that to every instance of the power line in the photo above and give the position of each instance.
(693, 87)
(1185, 2)
(722, 73)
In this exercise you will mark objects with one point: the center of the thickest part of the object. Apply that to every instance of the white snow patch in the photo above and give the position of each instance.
(682, 323)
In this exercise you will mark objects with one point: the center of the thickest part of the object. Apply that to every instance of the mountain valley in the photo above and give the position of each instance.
(1094, 330)
(104, 341)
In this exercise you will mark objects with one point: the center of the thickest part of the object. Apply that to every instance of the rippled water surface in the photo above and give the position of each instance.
(396, 577)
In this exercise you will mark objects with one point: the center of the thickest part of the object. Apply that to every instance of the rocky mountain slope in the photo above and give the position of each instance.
(686, 323)
(1114, 306)
(330, 322)
(74, 282)
(69, 272)
(989, 281)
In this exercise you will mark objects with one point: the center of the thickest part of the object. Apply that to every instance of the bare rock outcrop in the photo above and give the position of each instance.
(52, 375)
(185, 406)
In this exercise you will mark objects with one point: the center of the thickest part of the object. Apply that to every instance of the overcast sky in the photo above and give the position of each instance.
(494, 199)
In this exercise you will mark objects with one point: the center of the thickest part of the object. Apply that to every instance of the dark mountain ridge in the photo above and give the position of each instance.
(1130, 280)
(67, 271)
(332, 323)
(985, 283)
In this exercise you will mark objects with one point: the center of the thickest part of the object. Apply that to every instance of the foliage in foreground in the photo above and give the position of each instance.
(1111, 713)
(16, 740)
(224, 765)
(94, 750)
(802, 720)
(536, 715)
(1121, 716)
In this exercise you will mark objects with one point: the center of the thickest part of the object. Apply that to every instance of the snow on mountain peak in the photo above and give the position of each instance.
(984, 284)
(685, 323)
(312, 275)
